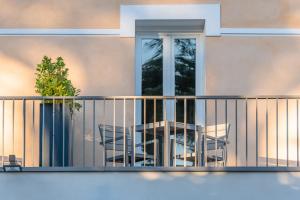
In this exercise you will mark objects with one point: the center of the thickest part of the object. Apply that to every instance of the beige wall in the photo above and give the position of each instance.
(105, 66)
(252, 65)
(234, 65)
(59, 14)
(106, 14)
(93, 61)
(261, 13)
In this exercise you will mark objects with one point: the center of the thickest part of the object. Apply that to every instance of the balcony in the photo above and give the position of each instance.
(151, 133)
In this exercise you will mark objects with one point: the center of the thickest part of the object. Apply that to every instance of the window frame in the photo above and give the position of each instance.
(169, 68)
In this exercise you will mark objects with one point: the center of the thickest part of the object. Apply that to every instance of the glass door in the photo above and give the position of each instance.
(168, 65)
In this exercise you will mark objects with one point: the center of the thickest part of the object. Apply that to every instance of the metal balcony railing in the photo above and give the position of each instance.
(150, 132)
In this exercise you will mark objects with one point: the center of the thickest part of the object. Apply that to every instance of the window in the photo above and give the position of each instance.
(168, 64)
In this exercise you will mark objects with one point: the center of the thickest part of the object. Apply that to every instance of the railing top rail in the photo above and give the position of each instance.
(207, 97)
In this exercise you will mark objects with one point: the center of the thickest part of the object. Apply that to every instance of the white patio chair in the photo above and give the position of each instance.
(108, 144)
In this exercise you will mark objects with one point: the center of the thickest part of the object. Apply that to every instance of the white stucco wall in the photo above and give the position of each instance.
(147, 185)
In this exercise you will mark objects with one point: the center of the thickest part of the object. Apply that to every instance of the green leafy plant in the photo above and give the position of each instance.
(52, 80)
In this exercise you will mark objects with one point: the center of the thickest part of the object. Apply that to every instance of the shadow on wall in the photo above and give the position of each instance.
(92, 62)
(256, 66)
(60, 14)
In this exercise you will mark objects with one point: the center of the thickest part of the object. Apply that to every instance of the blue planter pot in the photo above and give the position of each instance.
(54, 142)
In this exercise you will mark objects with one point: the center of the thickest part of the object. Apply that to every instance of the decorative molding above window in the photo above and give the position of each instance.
(170, 26)
(208, 12)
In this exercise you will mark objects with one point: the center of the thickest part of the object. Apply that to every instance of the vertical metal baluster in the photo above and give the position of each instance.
(124, 134)
(43, 135)
(63, 131)
(267, 132)
(226, 129)
(13, 127)
(246, 131)
(205, 132)
(195, 137)
(154, 131)
(104, 133)
(24, 132)
(287, 132)
(114, 129)
(185, 134)
(83, 134)
(216, 133)
(277, 132)
(175, 133)
(73, 124)
(3, 110)
(53, 132)
(256, 126)
(297, 132)
(236, 133)
(165, 133)
(94, 133)
(134, 130)
(145, 132)
(33, 132)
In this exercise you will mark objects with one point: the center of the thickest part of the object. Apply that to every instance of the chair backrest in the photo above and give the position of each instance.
(221, 130)
(107, 136)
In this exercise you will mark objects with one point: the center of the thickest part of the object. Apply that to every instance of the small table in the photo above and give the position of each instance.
(164, 129)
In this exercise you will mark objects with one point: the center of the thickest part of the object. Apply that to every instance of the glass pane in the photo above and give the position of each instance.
(185, 66)
(152, 75)
(152, 67)
(152, 85)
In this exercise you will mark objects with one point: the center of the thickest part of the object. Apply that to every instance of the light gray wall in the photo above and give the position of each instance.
(147, 185)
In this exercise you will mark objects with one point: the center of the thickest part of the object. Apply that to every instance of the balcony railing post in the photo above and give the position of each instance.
(43, 135)
(24, 132)
(104, 133)
(125, 151)
(175, 134)
(3, 128)
(83, 133)
(94, 133)
(216, 133)
(154, 133)
(185, 132)
(267, 132)
(145, 121)
(114, 132)
(134, 131)
(246, 128)
(236, 132)
(297, 118)
(287, 132)
(53, 132)
(205, 132)
(226, 130)
(13, 127)
(33, 131)
(277, 160)
(256, 132)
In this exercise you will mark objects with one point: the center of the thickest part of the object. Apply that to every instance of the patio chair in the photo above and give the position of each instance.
(214, 154)
(108, 144)
(216, 143)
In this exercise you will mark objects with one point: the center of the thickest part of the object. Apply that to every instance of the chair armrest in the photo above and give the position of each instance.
(148, 142)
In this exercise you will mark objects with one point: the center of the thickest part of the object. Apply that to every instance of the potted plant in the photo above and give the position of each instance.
(55, 115)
